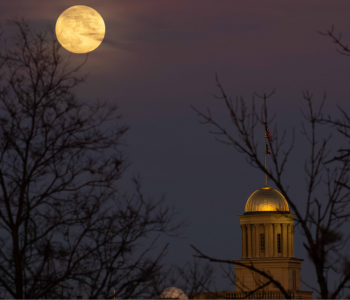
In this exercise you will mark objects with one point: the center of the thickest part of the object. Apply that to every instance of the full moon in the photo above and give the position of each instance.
(80, 29)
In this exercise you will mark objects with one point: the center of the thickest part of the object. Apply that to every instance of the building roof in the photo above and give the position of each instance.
(266, 199)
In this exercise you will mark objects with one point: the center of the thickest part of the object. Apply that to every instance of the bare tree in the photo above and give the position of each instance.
(337, 39)
(66, 228)
(191, 277)
(326, 217)
(230, 275)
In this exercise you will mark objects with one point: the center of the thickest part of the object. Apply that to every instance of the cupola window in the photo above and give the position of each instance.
(262, 243)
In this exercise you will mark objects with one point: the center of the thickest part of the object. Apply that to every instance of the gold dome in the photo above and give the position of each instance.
(266, 199)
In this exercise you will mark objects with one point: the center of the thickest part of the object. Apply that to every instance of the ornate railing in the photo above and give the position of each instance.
(248, 295)
(259, 295)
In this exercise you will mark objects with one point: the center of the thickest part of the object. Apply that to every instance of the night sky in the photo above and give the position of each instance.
(160, 57)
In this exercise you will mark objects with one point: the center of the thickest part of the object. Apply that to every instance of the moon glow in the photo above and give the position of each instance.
(80, 29)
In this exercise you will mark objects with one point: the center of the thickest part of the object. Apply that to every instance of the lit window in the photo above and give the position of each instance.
(262, 243)
(279, 243)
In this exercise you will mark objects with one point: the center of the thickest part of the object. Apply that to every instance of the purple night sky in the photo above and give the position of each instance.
(160, 57)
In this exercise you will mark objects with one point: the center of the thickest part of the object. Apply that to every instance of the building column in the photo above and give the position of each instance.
(257, 236)
(244, 241)
(270, 226)
(289, 240)
(275, 250)
(253, 240)
(266, 240)
(249, 228)
(284, 240)
(292, 231)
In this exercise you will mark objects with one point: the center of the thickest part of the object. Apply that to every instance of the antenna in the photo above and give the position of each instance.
(265, 112)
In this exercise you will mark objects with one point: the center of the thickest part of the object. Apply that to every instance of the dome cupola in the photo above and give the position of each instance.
(266, 199)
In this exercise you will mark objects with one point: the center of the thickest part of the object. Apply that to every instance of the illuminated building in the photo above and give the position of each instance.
(268, 245)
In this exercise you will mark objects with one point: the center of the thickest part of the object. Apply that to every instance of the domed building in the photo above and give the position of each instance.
(267, 225)
(173, 293)
(268, 245)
